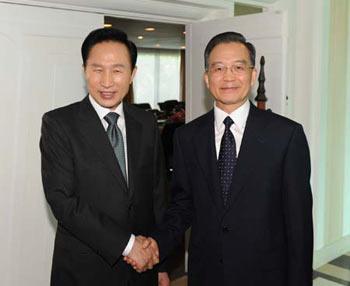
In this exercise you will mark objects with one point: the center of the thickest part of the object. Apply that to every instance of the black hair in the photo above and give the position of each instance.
(228, 37)
(108, 35)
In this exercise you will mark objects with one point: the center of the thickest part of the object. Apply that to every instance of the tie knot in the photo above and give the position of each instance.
(112, 118)
(228, 122)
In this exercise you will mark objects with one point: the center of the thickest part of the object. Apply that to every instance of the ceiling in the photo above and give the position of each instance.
(180, 11)
(115, 4)
(165, 36)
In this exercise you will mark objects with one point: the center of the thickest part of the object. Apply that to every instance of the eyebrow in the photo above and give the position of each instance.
(100, 66)
(237, 61)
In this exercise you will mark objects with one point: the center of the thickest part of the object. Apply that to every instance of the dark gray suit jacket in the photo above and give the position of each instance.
(95, 209)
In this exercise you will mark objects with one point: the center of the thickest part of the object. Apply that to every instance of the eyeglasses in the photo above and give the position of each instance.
(239, 68)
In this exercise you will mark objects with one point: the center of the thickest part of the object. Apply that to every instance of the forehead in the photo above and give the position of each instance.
(109, 51)
(227, 52)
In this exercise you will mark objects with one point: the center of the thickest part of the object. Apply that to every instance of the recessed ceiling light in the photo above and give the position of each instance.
(140, 37)
(107, 25)
(150, 29)
(183, 47)
(157, 45)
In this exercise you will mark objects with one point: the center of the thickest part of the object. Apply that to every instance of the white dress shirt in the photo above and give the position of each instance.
(102, 112)
(239, 117)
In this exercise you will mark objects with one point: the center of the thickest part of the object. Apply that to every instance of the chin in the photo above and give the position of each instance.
(109, 103)
(229, 101)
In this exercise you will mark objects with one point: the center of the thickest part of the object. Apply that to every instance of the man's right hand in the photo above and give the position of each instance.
(144, 254)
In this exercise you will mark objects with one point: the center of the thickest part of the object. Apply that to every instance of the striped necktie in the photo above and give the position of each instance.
(116, 138)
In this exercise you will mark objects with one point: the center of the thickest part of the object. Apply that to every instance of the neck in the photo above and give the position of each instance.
(229, 108)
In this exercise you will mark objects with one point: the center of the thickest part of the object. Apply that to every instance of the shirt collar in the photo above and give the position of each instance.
(103, 111)
(239, 116)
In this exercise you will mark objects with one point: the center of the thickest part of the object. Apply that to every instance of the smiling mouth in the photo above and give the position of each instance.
(231, 88)
(107, 93)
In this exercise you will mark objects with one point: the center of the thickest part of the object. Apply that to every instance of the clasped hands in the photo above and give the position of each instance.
(144, 254)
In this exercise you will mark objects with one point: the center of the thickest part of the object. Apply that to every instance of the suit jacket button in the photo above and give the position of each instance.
(220, 260)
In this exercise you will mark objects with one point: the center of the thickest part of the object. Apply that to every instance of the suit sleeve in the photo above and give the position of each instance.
(160, 188)
(178, 217)
(298, 210)
(89, 225)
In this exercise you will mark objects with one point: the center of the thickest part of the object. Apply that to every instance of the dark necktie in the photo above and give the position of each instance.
(227, 160)
(116, 138)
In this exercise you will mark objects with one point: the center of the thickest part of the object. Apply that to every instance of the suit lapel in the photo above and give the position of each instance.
(249, 151)
(133, 138)
(95, 135)
(206, 156)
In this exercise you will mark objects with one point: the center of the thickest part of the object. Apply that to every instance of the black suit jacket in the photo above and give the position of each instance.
(265, 236)
(96, 210)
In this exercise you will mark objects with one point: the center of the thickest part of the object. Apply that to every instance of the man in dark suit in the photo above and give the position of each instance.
(241, 181)
(103, 173)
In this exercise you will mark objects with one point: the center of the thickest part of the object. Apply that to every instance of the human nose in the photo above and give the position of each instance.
(106, 79)
(229, 73)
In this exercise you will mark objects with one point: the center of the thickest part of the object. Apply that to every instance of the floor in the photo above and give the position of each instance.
(179, 282)
(335, 273)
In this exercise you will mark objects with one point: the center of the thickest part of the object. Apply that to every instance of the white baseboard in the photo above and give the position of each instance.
(329, 252)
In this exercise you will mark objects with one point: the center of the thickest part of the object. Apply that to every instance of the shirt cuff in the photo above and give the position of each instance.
(129, 245)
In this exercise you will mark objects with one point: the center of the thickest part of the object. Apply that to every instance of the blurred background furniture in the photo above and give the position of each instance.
(145, 106)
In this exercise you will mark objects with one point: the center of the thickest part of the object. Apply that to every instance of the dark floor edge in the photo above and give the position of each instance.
(342, 261)
(330, 278)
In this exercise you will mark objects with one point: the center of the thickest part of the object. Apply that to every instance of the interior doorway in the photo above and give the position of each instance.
(161, 58)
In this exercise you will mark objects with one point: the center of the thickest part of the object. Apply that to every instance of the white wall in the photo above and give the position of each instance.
(347, 138)
(316, 75)
(338, 132)
(40, 69)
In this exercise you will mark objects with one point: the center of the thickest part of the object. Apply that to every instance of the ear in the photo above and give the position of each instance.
(84, 71)
(206, 79)
(133, 74)
(254, 76)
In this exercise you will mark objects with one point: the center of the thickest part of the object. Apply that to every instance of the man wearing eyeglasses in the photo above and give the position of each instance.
(241, 181)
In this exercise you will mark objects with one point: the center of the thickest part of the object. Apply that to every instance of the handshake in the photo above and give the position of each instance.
(144, 254)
